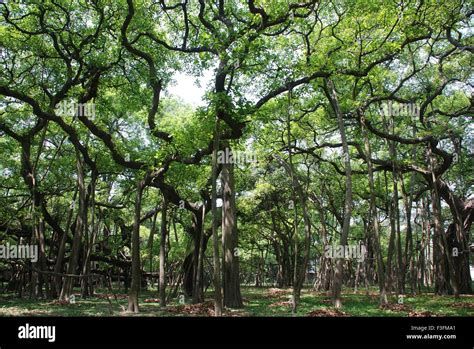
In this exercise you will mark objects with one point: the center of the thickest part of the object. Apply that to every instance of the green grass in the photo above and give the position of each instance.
(257, 302)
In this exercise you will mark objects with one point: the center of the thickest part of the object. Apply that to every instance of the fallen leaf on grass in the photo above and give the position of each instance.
(276, 292)
(326, 301)
(395, 307)
(463, 305)
(420, 314)
(151, 300)
(59, 302)
(206, 308)
(281, 304)
(327, 313)
(110, 295)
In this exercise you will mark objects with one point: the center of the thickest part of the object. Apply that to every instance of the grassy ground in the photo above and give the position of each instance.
(257, 302)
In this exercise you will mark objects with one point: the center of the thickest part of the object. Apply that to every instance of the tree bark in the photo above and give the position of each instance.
(163, 253)
(374, 221)
(79, 228)
(136, 272)
(215, 227)
(230, 269)
(337, 283)
(445, 271)
(198, 295)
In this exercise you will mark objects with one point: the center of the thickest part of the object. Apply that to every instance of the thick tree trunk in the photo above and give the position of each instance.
(198, 295)
(395, 238)
(163, 254)
(400, 268)
(391, 246)
(215, 227)
(136, 271)
(28, 173)
(445, 273)
(190, 279)
(457, 237)
(151, 239)
(58, 268)
(408, 256)
(282, 252)
(89, 237)
(439, 253)
(337, 283)
(230, 269)
(374, 221)
(79, 228)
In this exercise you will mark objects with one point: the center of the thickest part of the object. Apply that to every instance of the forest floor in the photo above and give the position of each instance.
(257, 302)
